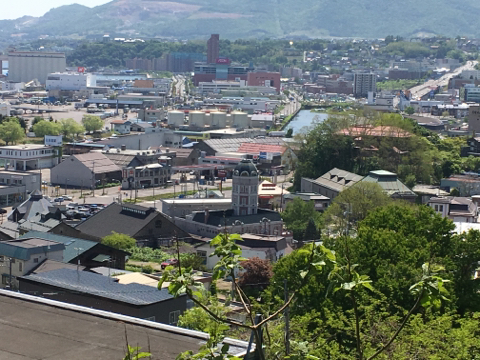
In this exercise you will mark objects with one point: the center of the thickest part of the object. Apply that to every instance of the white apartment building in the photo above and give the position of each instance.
(28, 157)
(245, 104)
(216, 86)
(363, 83)
(70, 81)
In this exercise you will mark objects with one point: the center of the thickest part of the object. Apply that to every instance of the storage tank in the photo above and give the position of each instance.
(176, 118)
(196, 118)
(219, 119)
(240, 119)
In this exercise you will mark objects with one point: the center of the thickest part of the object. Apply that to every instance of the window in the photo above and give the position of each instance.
(203, 255)
(436, 207)
(20, 266)
(158, 224)
(35, 261)
(440, 208)
(173, 317)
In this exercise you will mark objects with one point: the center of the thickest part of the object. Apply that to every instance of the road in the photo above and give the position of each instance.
(419, 91)
(291, 106)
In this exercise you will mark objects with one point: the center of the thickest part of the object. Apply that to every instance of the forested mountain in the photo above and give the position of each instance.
(253, 18)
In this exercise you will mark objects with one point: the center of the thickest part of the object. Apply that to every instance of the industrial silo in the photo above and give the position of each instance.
(240, 119)
(219, 119)
(196, 118)
(176, 118)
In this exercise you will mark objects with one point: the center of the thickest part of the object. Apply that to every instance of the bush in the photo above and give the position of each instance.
(148, 269)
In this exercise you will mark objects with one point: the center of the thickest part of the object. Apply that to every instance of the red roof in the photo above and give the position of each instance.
(257, 148)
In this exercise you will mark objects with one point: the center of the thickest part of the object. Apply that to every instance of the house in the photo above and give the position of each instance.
(85, 171)
(20, 256)
(75, 332)
(31, 180)
(467, 184)
(270, 195)
(146, 225)
(320, 202)
(105, 293)
(120, 126)
(389, 182)
(331, 183)
(87, 253)
(458, 209)
(262, 120)
(28, 156)
(266, 247)
(142, 127)
(426, 192)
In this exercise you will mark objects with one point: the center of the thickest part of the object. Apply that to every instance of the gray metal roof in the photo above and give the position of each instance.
(98, 163)
(102, 286)
(389, 183)
(338, 179)
(227, 217)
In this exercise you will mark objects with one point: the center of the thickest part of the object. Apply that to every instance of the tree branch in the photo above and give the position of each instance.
(402, 325)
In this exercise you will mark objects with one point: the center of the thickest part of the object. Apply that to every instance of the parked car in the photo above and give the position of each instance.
(168, 262)
(59, 199)
(72, 205)
(67, 197)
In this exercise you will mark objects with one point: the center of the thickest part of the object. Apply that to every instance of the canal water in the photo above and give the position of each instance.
(304, 119)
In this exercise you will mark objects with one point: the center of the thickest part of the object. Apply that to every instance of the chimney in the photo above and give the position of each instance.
(207, 215)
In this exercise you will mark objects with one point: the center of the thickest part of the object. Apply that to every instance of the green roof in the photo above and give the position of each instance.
(389, 182)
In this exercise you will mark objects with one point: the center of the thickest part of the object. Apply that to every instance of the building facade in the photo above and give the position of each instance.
(70, 81)
(24, 66)
(28, 157)
(363, 83)
(213, 48)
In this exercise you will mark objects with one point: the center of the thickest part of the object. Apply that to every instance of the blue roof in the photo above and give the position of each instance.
(73, 246)
(102, 286)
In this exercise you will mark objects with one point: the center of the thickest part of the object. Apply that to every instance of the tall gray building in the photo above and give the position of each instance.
(363, 83)
(24, 66)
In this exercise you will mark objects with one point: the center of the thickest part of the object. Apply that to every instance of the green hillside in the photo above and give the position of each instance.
(253, 18)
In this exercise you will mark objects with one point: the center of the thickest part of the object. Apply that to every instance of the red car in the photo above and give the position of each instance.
(168, 262)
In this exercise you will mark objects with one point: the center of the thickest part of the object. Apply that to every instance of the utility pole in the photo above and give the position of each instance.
(93, 174)
(66, 186)
(10, 274)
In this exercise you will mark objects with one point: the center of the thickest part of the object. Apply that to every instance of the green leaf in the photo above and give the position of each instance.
(368, 285)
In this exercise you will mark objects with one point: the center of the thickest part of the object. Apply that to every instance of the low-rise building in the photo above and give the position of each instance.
(28, 156)
(458, 209)
(320, 202)
(389, 182)
(20, 256)
(466, 184)
(104, 293)
(266, 247)
(70, 81)
(331, 183)
(85, 171)
(29, 179)
(184, 207)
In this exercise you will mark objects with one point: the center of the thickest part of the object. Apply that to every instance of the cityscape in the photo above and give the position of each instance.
(263, 196)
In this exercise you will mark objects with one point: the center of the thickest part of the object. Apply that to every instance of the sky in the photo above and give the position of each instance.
(19, 8)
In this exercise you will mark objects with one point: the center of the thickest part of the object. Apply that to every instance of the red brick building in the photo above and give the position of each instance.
(264, 79)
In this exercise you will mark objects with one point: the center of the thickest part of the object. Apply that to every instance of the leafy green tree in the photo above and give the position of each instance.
(289, 133)
(11, 131)
(297, 215)
(354, 204)
(119, 241)
(410, 180)
(92, 123)
(70, 128)
(43, 128)
(410, 110)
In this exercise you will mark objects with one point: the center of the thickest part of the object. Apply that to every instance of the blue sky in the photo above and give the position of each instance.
(18, 8)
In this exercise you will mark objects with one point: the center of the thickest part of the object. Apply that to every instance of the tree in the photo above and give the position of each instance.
(92, 123)
(354, 204)
(43, 128)
(311, 231)
(11, 131)
(255, 276)
(70, 128)
(410, 180)
(297, 215)
(119, 241)
(409, 110)
(289, 133)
